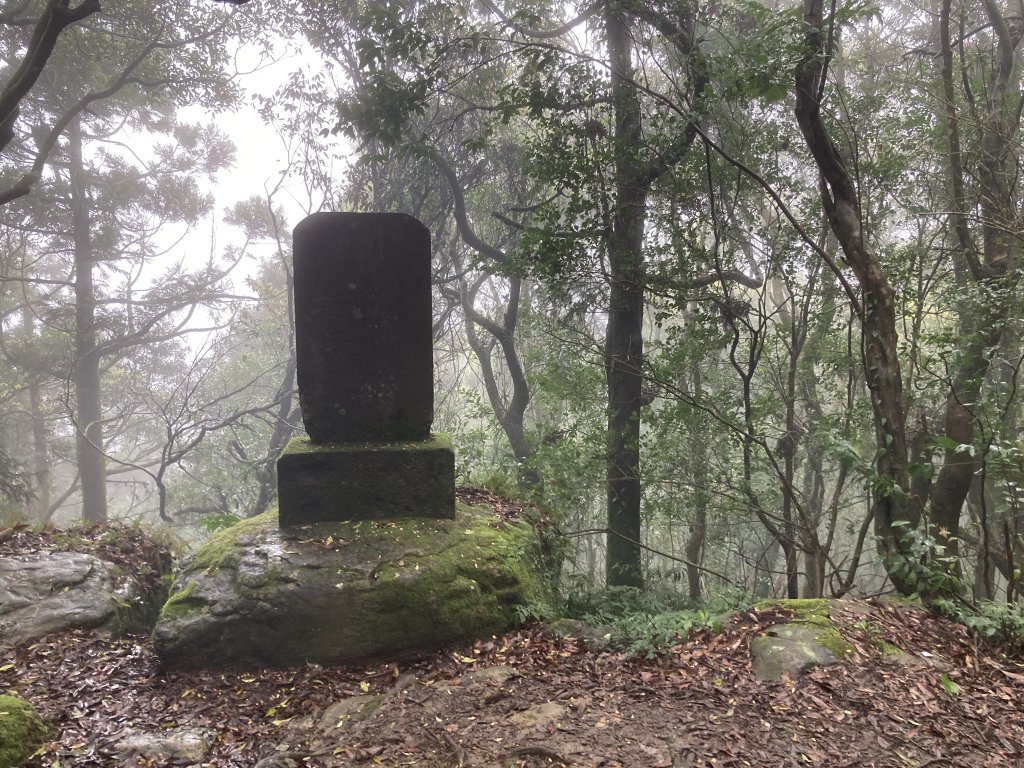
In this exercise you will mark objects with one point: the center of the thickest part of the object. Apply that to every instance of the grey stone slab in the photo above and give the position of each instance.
(363, 327)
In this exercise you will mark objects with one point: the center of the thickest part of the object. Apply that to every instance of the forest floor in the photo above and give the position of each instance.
(530, 699)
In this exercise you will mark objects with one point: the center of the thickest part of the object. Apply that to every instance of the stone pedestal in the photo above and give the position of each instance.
(364, 364)
(366, 481)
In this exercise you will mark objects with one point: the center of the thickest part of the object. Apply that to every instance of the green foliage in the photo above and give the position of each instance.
(759, 64)
(213, 523)
(643, 623)
(997, 622)
(535, 610)
(951, 688)
(15, 484)
(924, 561)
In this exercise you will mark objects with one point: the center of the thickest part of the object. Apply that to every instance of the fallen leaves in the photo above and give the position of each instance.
(527, 698)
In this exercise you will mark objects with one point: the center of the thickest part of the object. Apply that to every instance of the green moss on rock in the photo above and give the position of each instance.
(814, 612)
(22, 731)
(255, 594)
(178, 604)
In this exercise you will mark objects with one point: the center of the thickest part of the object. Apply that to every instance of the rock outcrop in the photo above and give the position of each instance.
(259, 595)
(42, 592)
(809, 639)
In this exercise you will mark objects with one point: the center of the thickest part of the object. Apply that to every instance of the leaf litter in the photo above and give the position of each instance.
(528, 698)
(533, 699)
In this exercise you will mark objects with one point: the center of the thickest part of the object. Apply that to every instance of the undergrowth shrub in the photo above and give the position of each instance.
(641, 623)
(998, 622)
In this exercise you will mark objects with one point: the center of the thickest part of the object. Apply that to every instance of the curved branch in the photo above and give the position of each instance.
(466, 232)
(31, 178)
(541, 34)
(57, 17)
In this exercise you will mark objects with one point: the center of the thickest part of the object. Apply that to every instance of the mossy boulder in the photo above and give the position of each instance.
(255, 594)
(22, 731)
(808, 639)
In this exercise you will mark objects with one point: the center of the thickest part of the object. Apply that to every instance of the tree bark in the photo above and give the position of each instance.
(511, 414)
(983, 324)
(40, 503)
(894, 506)
(624, 336)
(57, 16)
(88, 400)
(699, 473)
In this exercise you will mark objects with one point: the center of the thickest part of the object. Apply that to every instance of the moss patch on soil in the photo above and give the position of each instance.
(22, 731)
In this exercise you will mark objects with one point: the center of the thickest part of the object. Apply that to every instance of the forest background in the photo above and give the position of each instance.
(730, 288)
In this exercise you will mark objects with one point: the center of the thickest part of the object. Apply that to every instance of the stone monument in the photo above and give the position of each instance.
(364, 355)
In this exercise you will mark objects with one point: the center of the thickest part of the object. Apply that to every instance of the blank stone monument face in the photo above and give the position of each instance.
(364, 354)
(364, 348)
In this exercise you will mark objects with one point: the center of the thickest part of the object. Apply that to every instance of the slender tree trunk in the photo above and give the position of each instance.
(701, 496)
(694, 549)
(764, 569)
(624, 339)
(88, 402)
(40, 504)
(286, 416)
(894, 507)
(510, 413)
(787, 447)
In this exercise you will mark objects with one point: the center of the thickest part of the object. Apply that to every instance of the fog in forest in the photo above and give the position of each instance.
(729, 292)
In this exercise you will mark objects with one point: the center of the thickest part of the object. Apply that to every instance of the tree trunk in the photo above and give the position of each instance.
(764, 569)
(698, 534)
(983, 323)
(510, 413)
(701, 497)
(894, 507)
(286, 416)
(624, 339)
(88, 402)
(40, 504)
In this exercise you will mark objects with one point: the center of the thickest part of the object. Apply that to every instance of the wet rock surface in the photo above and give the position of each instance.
(46, 586)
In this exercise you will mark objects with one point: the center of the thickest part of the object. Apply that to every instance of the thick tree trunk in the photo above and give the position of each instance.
(88, 402)
(983, 322)
(624, 339)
